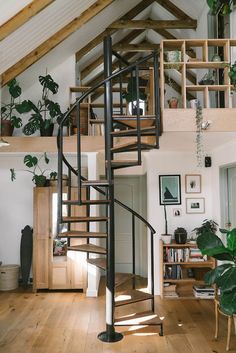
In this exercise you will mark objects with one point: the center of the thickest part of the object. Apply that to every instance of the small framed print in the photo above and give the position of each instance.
(195, 205)
(192, 183)
(177, 212)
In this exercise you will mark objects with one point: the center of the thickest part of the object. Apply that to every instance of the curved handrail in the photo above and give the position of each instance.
(78, 101)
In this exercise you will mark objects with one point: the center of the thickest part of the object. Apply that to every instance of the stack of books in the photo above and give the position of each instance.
(196, 255)
(169, 290)
(203, 292)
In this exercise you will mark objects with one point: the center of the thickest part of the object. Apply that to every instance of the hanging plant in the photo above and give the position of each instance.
(199, 135)
(222, 7)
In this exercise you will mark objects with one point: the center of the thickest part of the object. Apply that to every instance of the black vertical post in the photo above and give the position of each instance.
(133, 250)
(109, 335)
(157, 98)
(152, 270)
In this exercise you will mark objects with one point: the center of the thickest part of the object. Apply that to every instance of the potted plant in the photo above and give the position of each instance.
(33, 163)
(132, 92)
(224, 275)
(47, 112)
(166, 237)
(207, 225)
(173, 102)
(232, 75)
(10, 112)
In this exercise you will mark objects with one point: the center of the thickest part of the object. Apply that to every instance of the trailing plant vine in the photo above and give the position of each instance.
(199, 135)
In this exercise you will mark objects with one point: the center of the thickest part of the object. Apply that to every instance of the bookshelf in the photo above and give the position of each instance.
(182, 267)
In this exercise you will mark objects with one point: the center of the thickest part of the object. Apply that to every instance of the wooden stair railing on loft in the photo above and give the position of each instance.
(106, 261)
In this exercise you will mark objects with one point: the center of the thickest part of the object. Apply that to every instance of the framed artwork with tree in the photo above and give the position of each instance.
(170, 189)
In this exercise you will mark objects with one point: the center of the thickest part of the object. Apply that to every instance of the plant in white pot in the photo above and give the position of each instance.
(166, 237)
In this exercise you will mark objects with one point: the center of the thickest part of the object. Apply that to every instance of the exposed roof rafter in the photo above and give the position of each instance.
(54, 40)
(154, 24)
(173, 9)
(22, 17)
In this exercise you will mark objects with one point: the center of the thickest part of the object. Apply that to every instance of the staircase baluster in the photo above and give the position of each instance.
(157, 98)
(133, 249)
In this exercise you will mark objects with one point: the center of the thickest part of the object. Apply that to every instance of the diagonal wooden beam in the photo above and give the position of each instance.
(22, 17)
(164, 33)
(54, 40)
(173, 9)
(128, 16)
(173, 84)
(92, 66)
(153, 24)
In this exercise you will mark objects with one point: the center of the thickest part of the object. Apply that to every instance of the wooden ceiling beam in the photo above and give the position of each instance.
(136, 47)
(128, 16)
(164, 33)
(54, 40)
(154, 24)
(92, 66)
(22, 17)
(173, 9)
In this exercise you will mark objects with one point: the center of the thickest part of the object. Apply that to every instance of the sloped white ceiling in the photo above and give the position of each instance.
(8, 8)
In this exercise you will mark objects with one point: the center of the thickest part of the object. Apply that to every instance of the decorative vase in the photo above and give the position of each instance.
(180, 236)
(6, 128)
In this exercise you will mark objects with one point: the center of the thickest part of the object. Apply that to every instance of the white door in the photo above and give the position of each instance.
(132, 192)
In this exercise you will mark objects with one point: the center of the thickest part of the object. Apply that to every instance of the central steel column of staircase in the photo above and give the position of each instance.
(137, 131)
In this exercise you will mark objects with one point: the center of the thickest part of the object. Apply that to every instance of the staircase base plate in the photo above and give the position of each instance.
(114, 337)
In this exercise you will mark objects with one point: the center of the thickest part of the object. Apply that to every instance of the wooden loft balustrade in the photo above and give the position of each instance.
(216, 99)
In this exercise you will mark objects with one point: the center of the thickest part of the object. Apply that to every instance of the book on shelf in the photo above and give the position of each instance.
(203, 292)
(172, 272)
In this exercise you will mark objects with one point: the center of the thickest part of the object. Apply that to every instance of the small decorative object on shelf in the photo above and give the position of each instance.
(173, 102)
(173, 56)
(180, 235)
(216, 58)
(207, 79)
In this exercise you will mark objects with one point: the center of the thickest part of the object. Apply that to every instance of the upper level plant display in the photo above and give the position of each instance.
(39, 174)
(46, 112)
(232, 75)
(222, 7)
(132, 92)
(11, 110)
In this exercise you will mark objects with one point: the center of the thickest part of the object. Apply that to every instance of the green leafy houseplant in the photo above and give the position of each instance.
(232, 75)
(47, 112)
(222, 7)
(224, 275)
(10, 112)
(33, 163)
(207, 225)
(131, 94)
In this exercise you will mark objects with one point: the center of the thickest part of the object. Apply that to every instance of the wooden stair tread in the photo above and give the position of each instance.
(130, 145)
(88, 248)
(84, 219)
(131, 296)
(99, 262)
(95, 182)
(85, 202)
(121, 278)
(126, 116)
(116, 163)
(133, 132)
(142, 318)
(82, 234)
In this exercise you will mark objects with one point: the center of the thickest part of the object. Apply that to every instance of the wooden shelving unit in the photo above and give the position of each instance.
(202, 63)
(183, 283)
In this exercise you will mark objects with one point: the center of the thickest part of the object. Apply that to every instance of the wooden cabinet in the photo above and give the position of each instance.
(181, 268)
(197, 58)
(49, 271)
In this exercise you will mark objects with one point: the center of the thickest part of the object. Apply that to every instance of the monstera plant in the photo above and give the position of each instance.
(47, 112)
(224, 275)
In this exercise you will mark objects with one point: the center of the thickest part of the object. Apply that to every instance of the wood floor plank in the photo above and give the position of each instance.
(68, 322)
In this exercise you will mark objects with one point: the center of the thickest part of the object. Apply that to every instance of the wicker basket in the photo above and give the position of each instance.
(9, 277)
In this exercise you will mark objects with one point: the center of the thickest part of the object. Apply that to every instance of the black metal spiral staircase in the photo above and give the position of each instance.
(106, 188)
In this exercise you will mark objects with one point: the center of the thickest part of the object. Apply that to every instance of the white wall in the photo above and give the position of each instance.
(162, 163)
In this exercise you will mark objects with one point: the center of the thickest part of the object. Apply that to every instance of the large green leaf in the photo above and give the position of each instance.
(227, 281)
(228, 303)
(46, 159)
(16, 121)
(14, 88)
(54, 108)
(211, 245)
(33, 124)
(213, 275)
(23, 107)
(30, 161)
(231, 240)
(39, 180)
(48, 82)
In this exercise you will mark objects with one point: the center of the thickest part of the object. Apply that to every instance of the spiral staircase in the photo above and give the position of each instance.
(143, 134)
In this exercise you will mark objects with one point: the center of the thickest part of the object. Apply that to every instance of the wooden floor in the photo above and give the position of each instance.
(68, 322)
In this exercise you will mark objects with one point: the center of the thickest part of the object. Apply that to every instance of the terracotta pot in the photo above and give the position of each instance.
(6, 128)
(173, 103)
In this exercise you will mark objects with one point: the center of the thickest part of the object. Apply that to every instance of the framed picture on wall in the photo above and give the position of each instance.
(195, 205)
(192, 183)
(177, 212)
(169, 189)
